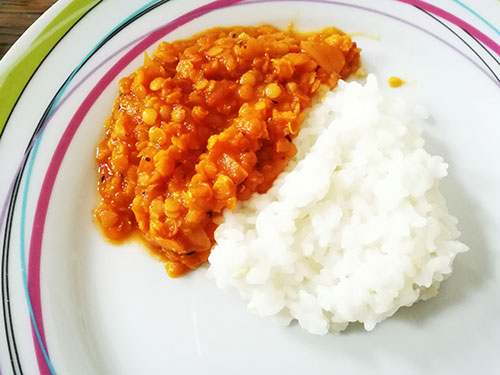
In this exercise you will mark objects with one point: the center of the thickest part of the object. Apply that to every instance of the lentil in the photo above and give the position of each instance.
(203, 123)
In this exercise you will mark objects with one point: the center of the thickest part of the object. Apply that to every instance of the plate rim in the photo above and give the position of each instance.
(18, 48)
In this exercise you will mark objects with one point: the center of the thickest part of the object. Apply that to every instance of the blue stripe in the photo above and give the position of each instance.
(36, 146)
(23, 258)
(97, 46)
(28, 180)
(470, 10)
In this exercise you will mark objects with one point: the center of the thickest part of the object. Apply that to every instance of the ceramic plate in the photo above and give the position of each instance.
(71, 303)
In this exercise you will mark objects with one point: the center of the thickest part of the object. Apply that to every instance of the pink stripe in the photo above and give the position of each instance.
(456, 21)
(62, 147)
(50, 177)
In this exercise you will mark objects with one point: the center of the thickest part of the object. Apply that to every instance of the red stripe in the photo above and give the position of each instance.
(50, 177)
(62, 147)
(456, 21)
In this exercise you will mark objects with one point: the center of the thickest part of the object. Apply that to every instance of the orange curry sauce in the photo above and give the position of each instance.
(205, 122)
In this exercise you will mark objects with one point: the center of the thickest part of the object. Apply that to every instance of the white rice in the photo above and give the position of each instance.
(355, 227)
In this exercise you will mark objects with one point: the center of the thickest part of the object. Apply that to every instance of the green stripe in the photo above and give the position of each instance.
(13, 81)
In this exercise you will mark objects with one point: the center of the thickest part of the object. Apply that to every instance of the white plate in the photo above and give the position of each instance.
(72, 303)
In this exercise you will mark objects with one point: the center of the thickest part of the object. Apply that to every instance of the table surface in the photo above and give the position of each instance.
(16, 16)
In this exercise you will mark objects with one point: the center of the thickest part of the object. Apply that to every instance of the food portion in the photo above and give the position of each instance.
(205, 123)
(353, 229)
(325, 215)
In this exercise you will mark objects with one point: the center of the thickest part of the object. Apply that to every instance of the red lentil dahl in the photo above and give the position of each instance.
(205, 122)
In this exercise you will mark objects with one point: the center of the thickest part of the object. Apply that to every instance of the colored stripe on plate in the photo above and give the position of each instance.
(34, 257)
(472, 11)
(456, 21)
(1, 87)
(13, 81)
(44, 362)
